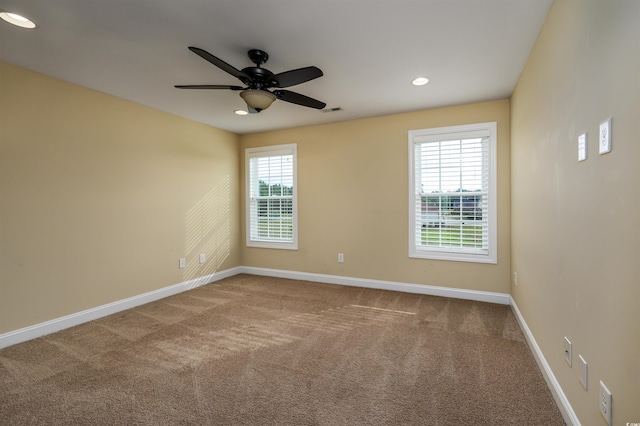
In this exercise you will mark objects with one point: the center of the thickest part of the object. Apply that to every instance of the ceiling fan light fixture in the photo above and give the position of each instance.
(241, 112)
(15, 19)
(258, 99)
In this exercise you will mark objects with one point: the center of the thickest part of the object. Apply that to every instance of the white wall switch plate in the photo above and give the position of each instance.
(567, 351)
(203, 258)
(582, 147)
(583, 371)
(605, 137)
(605, 402)
(340, 257)
(182, 263)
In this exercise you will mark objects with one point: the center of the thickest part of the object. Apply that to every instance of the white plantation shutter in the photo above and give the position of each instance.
(271, 197)
(452, 199)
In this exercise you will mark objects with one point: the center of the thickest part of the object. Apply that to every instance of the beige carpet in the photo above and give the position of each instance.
(263, 351)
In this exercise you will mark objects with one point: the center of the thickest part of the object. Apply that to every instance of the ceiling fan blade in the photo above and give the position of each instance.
(221, 64)
(297, 98)
(208, 86)
(293, 77)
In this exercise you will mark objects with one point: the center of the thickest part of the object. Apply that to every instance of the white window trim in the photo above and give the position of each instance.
(455, 132)
(269, 151)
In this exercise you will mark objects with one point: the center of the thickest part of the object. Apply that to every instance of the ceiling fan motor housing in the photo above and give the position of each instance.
(261, 78)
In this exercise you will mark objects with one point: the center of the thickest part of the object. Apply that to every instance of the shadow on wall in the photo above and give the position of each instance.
(208, 231)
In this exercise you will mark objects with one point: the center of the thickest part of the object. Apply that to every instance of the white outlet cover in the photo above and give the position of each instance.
(605, 402)
(583, 371)
(203, 258)
(605, 137)
(582, 147)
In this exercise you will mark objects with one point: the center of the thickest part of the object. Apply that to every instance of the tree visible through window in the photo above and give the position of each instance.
(271, 201)
(452, 182)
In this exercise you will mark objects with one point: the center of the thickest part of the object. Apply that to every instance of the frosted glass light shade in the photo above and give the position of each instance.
(258, 99)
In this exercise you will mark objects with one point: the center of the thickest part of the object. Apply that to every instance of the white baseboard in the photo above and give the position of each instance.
(48, 327)
(556, 390)
(456, 293)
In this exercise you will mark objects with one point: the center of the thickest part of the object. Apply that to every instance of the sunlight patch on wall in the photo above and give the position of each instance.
(208, 231)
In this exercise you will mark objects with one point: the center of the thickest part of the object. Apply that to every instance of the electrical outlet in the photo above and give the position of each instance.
(203, 258)
(515, 278)
(340, 257)
(605, 402)
(182, 263)
(583, 371)
(567, 351)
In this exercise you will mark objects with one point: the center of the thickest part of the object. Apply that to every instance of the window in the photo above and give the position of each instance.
(271, 197)
(452, 193)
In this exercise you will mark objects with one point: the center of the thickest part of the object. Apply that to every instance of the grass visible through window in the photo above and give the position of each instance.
(449, 235)
(276, 227)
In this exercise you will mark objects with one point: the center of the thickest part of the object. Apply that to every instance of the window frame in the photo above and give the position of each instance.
(264, 152)
(440, 134)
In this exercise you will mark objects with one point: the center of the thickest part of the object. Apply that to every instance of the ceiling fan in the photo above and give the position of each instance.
(258, 81)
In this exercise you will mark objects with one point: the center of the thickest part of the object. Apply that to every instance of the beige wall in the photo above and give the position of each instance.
(353, 199)
(100, 197)
(576, 227)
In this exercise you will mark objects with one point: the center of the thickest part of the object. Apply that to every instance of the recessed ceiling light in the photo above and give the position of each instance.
(241, 112)
(420, 81)
(15, 19)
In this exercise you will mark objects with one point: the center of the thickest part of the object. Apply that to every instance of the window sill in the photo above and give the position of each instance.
(272, 245)
(452, 256)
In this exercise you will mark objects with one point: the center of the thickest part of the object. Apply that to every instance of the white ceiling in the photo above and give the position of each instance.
(369, 51)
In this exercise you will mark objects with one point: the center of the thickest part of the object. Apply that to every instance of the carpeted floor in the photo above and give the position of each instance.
(253, 350)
